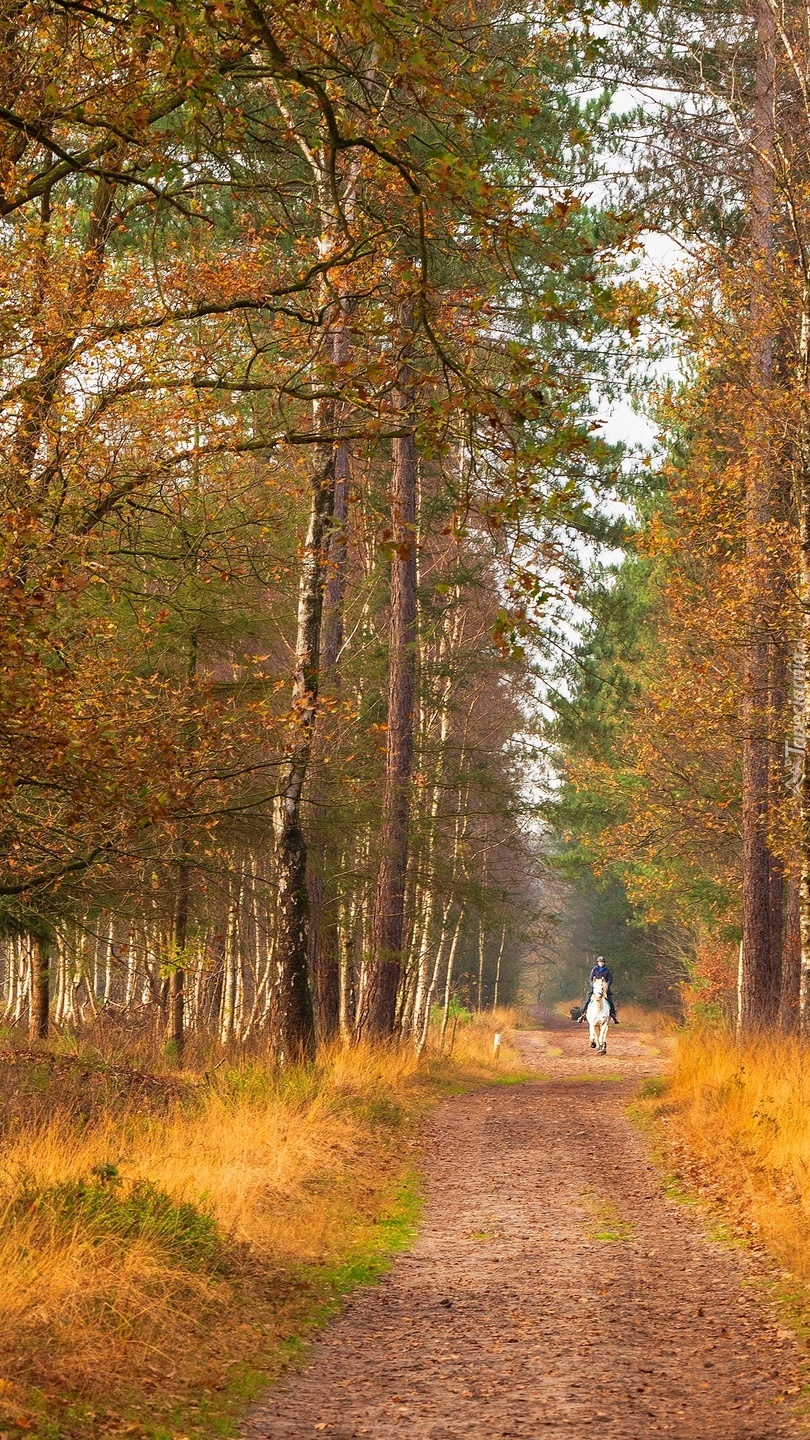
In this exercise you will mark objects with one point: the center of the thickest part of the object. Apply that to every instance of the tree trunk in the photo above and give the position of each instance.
(23, 982)
(176, 1004)
(325, 937)
(323, 898)
(293, 1009)
(421, 1035)
(108, 963)
(389, 900)
(498, 967)
(347, 1016)
(412, 1018)
(177, 979)
(332, 639)
(760, 975)
(791, 961)
(804, 805)
(294, 1020)
(40, 988)
(803, 739)
(449, 639)
(777, 797)
(228, 1003)
(448, 984)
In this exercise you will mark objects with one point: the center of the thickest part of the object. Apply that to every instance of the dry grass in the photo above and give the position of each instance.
(161, 1241)
(739, 1124)
(639, 1017)
(631, 1016)
(471, 1043)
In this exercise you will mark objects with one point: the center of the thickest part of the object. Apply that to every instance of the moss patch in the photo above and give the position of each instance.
(606, 1224)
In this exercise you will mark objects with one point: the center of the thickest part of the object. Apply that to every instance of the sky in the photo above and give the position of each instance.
(622, 420)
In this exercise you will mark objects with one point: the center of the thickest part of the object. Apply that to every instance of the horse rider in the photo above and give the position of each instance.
(600, 971)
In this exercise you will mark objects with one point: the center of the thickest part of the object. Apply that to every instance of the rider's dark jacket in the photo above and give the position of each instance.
(601, 972)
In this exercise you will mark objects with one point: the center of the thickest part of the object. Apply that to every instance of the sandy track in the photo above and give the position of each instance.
(510, 1317)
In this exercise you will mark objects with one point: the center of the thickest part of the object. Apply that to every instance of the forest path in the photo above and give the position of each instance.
(553, 1289)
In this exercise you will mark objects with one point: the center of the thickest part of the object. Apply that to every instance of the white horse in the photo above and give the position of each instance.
(598, 1017)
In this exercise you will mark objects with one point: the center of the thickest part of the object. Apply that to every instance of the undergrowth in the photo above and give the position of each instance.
(168, 1242)
(734, 1122)
(731, 1127)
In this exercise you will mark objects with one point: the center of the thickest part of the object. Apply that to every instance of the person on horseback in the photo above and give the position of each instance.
(600, 971)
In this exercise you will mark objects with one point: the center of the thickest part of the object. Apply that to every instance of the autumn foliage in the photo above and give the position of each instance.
(264, 267)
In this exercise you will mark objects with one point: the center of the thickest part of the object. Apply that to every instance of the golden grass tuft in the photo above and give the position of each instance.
(639, 1017)
(739, 1124)
(471, 1044)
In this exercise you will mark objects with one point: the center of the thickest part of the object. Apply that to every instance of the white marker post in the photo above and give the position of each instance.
(496, 1045)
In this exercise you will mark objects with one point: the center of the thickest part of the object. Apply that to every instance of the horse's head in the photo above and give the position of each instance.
(599, 988)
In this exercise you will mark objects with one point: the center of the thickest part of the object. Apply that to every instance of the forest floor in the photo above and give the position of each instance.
(557, 1286)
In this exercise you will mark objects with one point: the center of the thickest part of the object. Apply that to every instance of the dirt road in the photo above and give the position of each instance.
(553, 1291)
